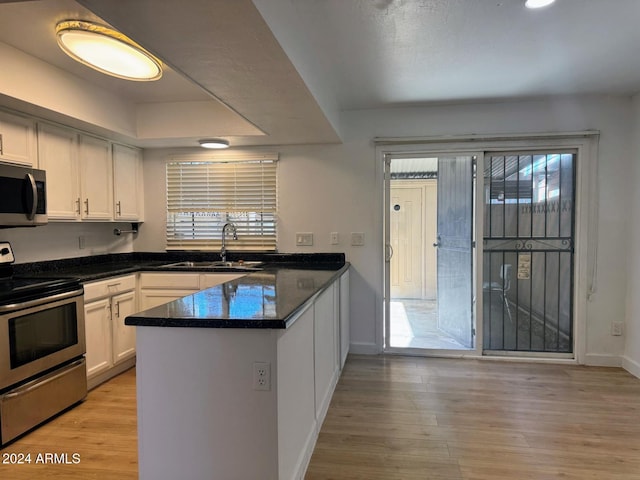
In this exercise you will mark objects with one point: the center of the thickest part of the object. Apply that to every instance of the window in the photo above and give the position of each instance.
(204, 195)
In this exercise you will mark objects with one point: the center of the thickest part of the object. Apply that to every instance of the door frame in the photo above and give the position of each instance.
(409, 151)
(586, 220)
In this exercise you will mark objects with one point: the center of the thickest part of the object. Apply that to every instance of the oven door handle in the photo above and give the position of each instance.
(34, 196)
(41, 301)
(39, 382)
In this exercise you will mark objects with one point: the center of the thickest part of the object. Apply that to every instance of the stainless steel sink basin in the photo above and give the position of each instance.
(217, 265)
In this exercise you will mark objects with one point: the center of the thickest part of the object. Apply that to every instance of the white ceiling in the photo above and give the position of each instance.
(280, 71)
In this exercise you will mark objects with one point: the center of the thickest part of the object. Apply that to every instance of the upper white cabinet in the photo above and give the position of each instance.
(96, 178)
(127, 183)
(58, 155)
(18, 140)
(79, 175)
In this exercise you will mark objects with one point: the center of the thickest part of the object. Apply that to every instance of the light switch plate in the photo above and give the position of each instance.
(334, 238)
(357, 239)
(304, 239)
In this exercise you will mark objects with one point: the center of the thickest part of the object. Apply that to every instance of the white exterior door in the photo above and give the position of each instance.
(406, 241)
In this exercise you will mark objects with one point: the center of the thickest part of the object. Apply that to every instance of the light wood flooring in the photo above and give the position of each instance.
(102, 430)
(405, 418)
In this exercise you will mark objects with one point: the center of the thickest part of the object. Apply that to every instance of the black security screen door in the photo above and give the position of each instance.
(528, 252)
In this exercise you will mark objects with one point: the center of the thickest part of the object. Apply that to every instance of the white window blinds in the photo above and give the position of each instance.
(204, 195)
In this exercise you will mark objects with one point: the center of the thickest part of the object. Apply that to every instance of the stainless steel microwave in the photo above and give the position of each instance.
(23, 196)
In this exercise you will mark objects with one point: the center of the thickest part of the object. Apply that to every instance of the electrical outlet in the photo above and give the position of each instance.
(81, 242)
(334, 238)
(262, 376)
(617, 328)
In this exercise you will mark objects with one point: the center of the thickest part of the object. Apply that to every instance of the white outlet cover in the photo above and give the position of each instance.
(357, 239)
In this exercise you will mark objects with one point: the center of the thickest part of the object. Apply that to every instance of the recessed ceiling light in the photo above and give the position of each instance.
(538, 3)
(213, 143)
(107, 51)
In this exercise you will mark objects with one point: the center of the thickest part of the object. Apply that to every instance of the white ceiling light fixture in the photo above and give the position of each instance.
(213, 143)
(538, 3)
(107, 51)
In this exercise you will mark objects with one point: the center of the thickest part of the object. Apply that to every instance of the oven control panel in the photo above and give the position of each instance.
(6, 253)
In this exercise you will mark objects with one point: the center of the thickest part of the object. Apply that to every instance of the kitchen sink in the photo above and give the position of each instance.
(217, 265)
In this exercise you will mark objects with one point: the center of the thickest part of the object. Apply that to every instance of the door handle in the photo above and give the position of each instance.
(34, 196)
(389, 254)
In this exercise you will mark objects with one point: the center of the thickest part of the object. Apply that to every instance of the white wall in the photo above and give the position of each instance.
(336, 188)
(631, 359)
(61, 240)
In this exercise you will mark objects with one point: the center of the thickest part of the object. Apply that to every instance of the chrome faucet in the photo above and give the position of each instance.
(223, 250)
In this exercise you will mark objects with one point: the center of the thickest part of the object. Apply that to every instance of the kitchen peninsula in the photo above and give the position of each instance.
(234, 381)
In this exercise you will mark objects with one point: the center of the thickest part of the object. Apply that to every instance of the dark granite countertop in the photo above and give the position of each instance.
(97, 267)
(266, 299)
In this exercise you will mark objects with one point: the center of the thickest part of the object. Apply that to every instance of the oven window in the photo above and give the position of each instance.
(42, 333)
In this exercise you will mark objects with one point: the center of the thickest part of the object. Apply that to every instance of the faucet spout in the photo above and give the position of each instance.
(223, 250)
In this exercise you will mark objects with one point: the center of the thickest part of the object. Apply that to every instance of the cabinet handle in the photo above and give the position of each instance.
(118, 209)
(118, 309)
(86, 206)
(78, 206)
(1, 149)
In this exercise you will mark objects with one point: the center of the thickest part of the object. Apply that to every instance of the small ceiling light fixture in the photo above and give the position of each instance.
(538, 3)
(213, 143)
(107, 51)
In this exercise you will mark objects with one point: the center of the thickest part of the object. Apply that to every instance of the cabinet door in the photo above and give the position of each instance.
(17, 140)
(97, 318)
(124, 336)
(96, 179)
(326, 360)
(58, 150)
(127, 183)
(344, 317)
(153, 298)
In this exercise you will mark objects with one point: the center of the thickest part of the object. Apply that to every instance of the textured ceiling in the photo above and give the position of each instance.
(280, 71)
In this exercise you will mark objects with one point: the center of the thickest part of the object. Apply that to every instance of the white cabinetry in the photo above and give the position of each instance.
(79, 174)
(161, 287)
(110, 343)
(326, 341)
(17, 140)
(127, 183)
(96, 178)
(58, 155)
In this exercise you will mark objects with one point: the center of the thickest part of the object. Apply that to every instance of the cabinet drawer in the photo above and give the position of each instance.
(170, 281)
(110, 286)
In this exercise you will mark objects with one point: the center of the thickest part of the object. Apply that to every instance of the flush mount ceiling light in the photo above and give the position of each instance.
(107, 51)
(213, 143)
(538, 3)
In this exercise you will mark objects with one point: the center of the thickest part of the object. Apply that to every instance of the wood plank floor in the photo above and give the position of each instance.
(411, 418)
(102, 430)
(404, 418)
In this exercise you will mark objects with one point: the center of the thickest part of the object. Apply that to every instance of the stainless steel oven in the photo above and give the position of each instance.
(42, 348)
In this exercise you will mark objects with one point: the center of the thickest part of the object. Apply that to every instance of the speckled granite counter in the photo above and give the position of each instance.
(268, 298)
(265, 299)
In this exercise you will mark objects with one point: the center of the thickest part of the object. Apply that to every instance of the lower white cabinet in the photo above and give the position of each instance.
(110, 343)
(97, 320)
(158, 288)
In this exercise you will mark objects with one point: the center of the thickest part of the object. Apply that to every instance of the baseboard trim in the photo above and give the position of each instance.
(602, 360)
(364, 349)
(631, 366)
